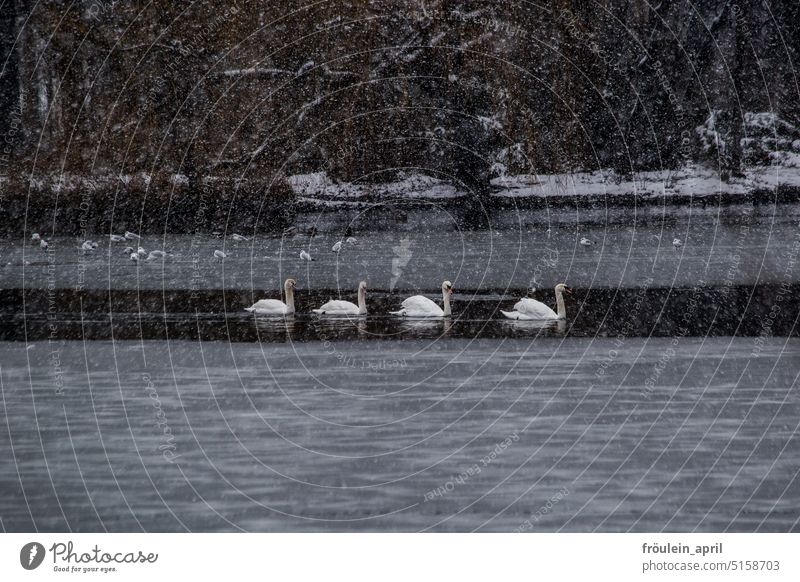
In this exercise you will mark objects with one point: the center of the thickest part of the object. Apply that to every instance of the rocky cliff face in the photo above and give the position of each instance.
(113, 95)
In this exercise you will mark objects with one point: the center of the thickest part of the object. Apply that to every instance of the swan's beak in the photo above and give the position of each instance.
(568, 290)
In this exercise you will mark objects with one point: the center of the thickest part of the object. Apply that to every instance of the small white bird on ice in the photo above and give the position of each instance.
(131, 235)
(239, 237)
(117, 238)
(337, 247)
(141, 252)
(676, 242)
(35, 236)
(153, 255)
(220, 255)
(87, 246)
(305, 256)
(43, 244)
(135, 257)
(128, 250)
(586, 242)
(351, 240)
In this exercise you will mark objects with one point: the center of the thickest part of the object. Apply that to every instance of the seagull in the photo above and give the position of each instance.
(586, 242)
(43, 244)
(128, 250)
(239, 237)
(351, 240)
(220, 255)
(35, 236)
(676, 242)
(141, 252)
(305, 256)
(131, 235)
(117, 238)
(153, 255)
(87, 246)
(337, 247)
(135, 257)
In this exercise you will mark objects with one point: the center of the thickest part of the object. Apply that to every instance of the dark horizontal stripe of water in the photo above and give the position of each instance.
(36, 315)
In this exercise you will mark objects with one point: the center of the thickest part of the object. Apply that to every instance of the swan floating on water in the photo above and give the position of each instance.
(276, 306)
(337, 307)
(529, 309)
(420, 306)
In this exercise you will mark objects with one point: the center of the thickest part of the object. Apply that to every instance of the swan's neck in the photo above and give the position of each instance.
(289, 300)
(446, 301)
(362, 302)
(561, 309)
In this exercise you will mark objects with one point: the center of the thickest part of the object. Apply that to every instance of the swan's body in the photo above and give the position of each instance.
(276, 306)
(337, 307)
(531, 309)
(421, 306)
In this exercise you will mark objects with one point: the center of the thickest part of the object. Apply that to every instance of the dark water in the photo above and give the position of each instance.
(633, 434)
(144, 397)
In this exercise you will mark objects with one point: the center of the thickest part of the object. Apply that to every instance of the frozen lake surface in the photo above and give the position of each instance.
(568, 434)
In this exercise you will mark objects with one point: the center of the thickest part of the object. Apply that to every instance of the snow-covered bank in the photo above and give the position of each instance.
(318, 189)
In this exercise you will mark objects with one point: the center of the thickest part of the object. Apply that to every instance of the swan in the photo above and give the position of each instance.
(276, 306)
(527, 308)
(420, 306)
(335, 307)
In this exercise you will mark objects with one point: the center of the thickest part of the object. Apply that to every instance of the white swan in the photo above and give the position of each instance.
(336, 307)
(276, 306)
(419, 306)
(527, 308)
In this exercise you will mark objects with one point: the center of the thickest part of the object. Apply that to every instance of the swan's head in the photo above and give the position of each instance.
(362, 287)
(290, 284)
(447, 287)
(562, 288)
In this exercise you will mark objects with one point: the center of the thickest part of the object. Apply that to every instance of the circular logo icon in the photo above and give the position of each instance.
(31, 555)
